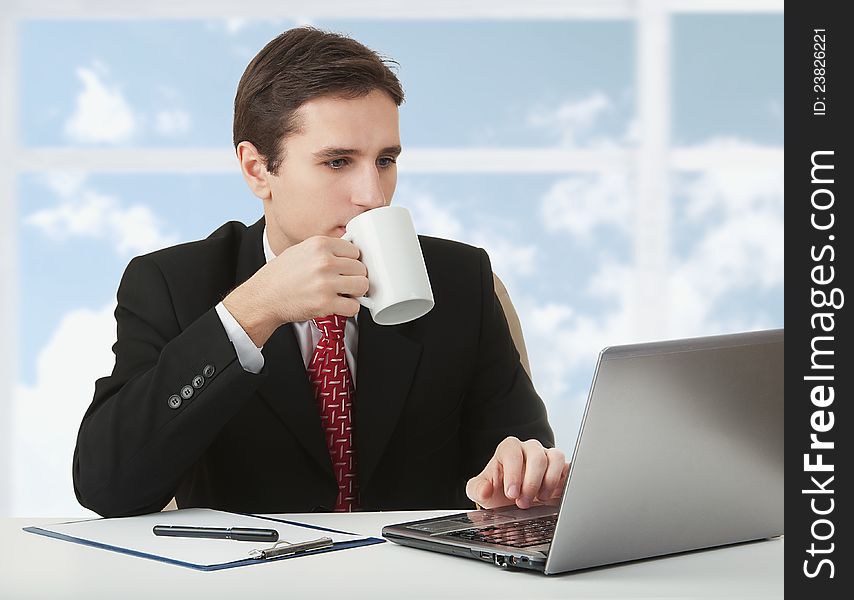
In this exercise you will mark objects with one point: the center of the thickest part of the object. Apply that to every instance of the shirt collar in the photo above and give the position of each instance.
(268, 251)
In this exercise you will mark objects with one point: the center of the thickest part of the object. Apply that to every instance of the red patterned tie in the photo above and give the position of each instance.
(333, 390)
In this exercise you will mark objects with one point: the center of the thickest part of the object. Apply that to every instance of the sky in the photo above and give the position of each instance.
(562, 243)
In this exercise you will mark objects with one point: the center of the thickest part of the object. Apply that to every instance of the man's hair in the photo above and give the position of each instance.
(297, 66)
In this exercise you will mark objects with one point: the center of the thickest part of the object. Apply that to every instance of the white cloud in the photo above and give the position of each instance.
(231, 26)
(543, 319)
(741, 251)
(632, 135)
(86, 213)
(581, 203)
(65, 184)
(574, 119)
(743, 244)
(235, 25)
(137, 230)
(733, 190)
(101, 113)
(741, 247)
(48, 413)
(172, 123)
(432, 218)
(86, 218)
(509, 259)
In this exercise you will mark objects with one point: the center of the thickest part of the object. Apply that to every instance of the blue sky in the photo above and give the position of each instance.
(728, 78)
(466, 83)
(563, 243)
(471, 83)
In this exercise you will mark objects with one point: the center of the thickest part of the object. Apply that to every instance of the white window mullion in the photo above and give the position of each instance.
(652, 206)
(413, 160)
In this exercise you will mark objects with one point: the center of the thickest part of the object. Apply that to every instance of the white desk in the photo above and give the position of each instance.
(33, 566)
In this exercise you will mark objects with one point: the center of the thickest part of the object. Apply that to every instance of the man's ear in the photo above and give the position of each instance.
(254, 170)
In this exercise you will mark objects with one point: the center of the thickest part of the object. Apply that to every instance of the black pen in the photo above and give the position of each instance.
(243, 534)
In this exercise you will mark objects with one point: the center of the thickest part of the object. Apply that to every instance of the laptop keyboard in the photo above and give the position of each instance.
(519, 534)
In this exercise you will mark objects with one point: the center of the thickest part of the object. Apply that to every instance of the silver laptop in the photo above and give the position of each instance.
(680, 448)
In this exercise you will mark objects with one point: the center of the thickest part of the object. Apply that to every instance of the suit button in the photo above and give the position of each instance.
(208, 371)
(198, 381)
(187, 392)
(174, 401)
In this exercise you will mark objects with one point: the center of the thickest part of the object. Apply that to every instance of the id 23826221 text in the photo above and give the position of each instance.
(819, 71)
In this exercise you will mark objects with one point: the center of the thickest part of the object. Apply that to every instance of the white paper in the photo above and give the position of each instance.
(135, 533)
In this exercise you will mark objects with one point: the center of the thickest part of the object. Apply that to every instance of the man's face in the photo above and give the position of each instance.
(339, 165)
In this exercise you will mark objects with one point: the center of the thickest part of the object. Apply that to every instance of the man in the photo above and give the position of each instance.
(214, 397)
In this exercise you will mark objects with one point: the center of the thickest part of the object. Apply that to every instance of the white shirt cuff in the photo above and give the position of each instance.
(248, 353)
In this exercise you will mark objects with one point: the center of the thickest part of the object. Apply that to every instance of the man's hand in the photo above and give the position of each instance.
(317, 277)
(520, 473)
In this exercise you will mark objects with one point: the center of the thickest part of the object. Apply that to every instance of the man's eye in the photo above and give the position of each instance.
(386, 161)
(337, 163)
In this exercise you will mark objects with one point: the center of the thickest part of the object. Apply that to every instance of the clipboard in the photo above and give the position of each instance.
(133, 536)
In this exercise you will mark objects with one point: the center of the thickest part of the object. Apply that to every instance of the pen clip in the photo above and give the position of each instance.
(283, 548)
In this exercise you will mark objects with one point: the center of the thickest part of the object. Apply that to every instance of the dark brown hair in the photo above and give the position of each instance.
(297, 66)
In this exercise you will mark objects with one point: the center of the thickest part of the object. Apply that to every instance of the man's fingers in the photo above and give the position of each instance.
(348, 266)
(562, 483)
(554, 473)
(523, 471)
(346, 307)
(343, 248)
(353, 286)
(536, 463)
(512, 461)
(479, 489)
(325, 245)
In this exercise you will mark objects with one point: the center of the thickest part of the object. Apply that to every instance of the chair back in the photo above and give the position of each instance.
(512, 322)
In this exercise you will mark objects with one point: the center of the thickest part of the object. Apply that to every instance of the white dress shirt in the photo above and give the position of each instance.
(308, 335)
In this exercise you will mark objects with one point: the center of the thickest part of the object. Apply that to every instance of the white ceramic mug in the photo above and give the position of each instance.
(399, 289)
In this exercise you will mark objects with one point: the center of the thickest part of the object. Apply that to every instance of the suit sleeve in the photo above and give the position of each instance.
(501, 399)
(170, 393)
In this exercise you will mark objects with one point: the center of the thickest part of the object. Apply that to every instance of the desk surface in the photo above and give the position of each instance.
(33, 566)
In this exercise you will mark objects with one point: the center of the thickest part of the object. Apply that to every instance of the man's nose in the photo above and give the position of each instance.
(368, 191)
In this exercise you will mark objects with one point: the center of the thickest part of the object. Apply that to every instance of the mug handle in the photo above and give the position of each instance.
(363, 300)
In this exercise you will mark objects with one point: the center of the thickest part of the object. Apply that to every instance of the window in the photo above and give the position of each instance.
(621, 165)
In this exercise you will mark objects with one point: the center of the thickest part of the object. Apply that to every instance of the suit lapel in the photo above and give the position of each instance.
(386, 365)
(289, 393)
(286, 389)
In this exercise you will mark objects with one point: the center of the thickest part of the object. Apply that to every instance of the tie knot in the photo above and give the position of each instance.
(331, 327)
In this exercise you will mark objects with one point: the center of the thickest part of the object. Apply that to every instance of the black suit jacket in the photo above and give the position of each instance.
(434, 396)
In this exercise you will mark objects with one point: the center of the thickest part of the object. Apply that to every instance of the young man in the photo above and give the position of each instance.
(215, 397)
